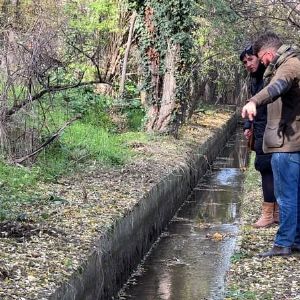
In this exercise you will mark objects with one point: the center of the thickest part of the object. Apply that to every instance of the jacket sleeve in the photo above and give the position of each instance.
(282, 81)
(247, 125)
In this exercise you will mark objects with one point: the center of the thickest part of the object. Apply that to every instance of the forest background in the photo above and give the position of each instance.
(81, 79)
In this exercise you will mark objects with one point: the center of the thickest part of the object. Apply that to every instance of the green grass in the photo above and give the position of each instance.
(87, 141)
(236, 294)
(135, 115)
(80, 144)
(92, 139)
(251, 179)
(238, 256)
(83, 143)
(17, 185)
(54, 162)
(10, 178)
(14, 181)
(135, 118)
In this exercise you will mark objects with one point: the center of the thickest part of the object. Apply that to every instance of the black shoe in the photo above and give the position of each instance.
(277, 251)
(295, 248)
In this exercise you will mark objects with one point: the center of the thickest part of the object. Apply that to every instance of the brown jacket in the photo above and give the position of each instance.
(282, 94)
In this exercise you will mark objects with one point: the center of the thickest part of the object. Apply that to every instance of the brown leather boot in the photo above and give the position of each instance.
(276, 213)
(267, 217)
(276, 251)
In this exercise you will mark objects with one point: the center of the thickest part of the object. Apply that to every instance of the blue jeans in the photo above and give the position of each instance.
(286, 172)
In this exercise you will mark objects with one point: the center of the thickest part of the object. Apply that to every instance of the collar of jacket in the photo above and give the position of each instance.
(284, 52)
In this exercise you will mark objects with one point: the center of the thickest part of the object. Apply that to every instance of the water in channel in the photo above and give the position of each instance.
(190, 259)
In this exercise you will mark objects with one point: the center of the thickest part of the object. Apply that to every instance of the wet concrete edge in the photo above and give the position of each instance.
(116, 254)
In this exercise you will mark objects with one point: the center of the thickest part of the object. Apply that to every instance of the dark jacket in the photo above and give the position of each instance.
(262, 160)
(282, 93)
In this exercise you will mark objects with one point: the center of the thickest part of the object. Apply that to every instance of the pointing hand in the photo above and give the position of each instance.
(249, 110)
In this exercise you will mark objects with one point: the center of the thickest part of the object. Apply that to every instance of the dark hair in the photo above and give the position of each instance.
(267, 40)
(247, 51)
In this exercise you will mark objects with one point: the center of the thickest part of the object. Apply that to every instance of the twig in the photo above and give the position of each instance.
(51, 139)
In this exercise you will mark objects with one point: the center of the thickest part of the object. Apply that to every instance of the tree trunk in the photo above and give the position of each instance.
(151, 96)
(160, 117)
(197, 90)
(124, 67)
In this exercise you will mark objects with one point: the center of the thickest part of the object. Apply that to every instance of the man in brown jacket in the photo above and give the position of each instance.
(282, 135)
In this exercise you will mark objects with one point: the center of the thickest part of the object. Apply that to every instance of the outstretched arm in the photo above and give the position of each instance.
(282, 81)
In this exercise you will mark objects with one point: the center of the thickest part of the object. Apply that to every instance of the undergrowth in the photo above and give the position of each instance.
(94, 138)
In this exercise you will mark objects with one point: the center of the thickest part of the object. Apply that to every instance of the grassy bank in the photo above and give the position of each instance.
(107, 135)
(251, 277)
(80, 146)
(50, 238)
(102, 136)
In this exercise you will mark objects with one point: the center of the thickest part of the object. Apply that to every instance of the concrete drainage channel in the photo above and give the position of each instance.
(117, 253)
(190, 259)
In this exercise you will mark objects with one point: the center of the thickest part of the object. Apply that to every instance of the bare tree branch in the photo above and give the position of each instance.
(47, 142)
(51, 89)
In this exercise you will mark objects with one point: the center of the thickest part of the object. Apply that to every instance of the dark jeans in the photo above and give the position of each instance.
(267, 183)
(263, 165)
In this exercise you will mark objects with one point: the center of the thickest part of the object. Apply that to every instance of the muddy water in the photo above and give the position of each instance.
(191, 258)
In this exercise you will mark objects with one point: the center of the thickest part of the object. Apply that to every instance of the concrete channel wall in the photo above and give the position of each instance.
(116, 254)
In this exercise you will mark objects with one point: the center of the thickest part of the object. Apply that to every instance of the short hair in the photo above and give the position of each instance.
(267, 40)
(247, 51)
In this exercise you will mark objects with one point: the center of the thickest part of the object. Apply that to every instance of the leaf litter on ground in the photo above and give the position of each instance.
(51, 237)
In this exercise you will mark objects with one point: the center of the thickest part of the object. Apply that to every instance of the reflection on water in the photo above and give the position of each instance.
(227, 176)
(189, 262)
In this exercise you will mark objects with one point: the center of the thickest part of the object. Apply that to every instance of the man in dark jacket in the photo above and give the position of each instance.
(282, 134)
(254, 132)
